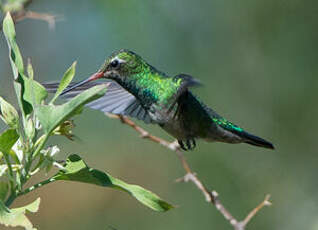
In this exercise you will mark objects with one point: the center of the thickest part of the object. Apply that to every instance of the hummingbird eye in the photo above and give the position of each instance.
(114, 63)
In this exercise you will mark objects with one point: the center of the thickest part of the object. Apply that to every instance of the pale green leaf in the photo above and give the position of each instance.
(30, 128)
(77, 170)
(50, 116)
(29, 92)
(66, 80)
(16, 62)
(30, 69)
(34, 92)
(14, 52)
(8, 114)
(7, 140)
(3, 169)
(16, 217)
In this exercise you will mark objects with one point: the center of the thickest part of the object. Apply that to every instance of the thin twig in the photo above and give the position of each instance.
(27, 14)
(211, 197)
(265, 202)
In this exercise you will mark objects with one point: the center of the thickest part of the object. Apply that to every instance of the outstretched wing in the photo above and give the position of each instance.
(116, 100)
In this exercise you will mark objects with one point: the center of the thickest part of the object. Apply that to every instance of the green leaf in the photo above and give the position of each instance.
(77, 170)
(16, 62)
(30, 129)
(3, 169)
(8, 114)
(29, 92)
(30, 69)
(66, 80)
(34, 92)
(14, 52)
(16, 217)
(50, 116)
(7, 140)
(25, 106)
(4, 188)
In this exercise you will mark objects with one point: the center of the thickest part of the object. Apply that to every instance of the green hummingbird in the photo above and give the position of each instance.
(139, 90)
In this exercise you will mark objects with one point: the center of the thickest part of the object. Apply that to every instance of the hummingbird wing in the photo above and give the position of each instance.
(116, 100)
(187, 81)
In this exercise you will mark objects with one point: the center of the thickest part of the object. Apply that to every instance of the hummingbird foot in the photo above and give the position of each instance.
(190, 144)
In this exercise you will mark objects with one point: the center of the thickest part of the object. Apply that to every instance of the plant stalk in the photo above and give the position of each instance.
(6, 157)
(32, 157)
(32, 188)
(10, 199)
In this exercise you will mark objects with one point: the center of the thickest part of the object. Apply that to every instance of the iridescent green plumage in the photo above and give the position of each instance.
(142, 79)
(226, 124)
(140, 90)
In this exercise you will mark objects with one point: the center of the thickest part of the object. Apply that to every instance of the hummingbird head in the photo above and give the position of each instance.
(120, 65)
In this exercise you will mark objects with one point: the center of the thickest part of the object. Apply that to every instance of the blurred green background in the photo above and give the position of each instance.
(258, 63)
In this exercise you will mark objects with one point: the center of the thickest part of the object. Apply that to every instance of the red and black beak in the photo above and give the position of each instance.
(93, 77)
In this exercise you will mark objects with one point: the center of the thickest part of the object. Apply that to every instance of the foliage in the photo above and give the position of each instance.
(23, 150)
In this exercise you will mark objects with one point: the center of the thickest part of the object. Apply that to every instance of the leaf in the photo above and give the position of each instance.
(3, 169)
(25, 107)
(4, 188)
(16, 62)
(7, 140)
(8, 114)
(77, 170)
(29, 129)
(29, 92)
(14, 52)
(16, 152)
(50, 116)
(34, 92)
(16, 217)
(66, 80)
(30, 69)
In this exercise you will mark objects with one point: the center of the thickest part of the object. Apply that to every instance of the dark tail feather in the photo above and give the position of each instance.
(257, 141)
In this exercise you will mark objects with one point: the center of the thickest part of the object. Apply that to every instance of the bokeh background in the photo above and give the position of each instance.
(258, 63)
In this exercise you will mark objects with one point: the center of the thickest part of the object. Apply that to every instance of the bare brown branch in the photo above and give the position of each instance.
(49, 18)
(27, 14)
(211, 197)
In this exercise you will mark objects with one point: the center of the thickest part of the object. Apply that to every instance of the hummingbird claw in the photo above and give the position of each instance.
(190, 144)
(182, 145)
(194, 143)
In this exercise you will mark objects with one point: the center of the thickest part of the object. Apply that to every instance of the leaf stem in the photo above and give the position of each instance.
(6, 157)
(40, 146)
(30, 189)
(32, 156)
(11, 198)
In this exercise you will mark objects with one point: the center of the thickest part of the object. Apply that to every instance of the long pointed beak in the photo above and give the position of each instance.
(93, 77)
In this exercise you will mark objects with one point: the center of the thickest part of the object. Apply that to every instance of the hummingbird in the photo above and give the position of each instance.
(138, 90)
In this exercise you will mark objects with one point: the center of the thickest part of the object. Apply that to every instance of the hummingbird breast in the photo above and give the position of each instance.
(189, 119)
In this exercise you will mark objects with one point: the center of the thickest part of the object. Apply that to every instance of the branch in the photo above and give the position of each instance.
(210, 196)
(24, 14)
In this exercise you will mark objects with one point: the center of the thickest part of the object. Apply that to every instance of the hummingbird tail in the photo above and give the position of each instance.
(257, 141)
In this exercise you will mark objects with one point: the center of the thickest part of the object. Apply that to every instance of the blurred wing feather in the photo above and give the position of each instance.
(116, 100)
